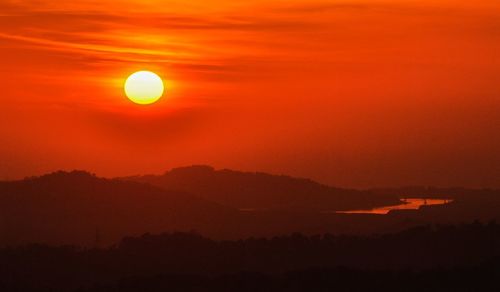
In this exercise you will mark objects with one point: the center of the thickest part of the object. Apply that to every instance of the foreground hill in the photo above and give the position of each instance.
(77, 207)
(261, 191)
(425, 258)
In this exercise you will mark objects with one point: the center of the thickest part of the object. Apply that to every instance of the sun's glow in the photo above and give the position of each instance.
(144, 87)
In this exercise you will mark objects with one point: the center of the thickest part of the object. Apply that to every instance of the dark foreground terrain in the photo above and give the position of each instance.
(428, 258)
(479, 278)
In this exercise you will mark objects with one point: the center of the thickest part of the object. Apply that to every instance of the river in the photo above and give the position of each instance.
(407, 204)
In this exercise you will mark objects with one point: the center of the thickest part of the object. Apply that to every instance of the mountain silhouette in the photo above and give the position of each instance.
(80, 208)
(261, 191)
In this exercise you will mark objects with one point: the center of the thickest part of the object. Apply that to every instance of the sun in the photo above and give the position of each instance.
(144, 87)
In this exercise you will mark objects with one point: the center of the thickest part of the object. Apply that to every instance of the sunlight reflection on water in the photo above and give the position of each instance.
(408, 204)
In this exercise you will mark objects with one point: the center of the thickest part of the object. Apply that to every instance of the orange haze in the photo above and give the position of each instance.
(351, 93)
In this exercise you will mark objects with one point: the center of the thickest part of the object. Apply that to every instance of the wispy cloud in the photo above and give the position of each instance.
(183, 36)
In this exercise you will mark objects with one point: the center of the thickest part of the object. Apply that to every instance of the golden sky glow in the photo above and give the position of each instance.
(353, 93)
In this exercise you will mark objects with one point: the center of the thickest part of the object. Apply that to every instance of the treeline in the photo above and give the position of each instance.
(443, 252)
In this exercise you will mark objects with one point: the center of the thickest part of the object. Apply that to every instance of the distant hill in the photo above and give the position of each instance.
(80, 208)
(261, 191)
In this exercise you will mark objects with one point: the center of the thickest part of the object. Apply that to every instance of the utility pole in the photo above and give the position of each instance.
(97, 237)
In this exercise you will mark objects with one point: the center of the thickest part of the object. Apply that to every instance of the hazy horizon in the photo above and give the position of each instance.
(6, 178)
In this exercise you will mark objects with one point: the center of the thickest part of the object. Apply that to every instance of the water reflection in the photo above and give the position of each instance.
(407, 204)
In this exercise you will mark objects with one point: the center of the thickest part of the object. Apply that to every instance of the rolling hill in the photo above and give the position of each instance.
(261, 191)
(80, 208)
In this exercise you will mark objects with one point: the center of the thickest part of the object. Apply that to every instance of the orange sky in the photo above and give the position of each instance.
(351, 93)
